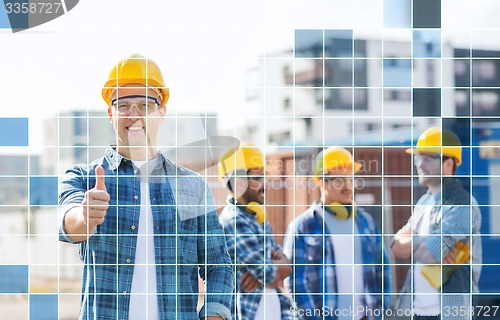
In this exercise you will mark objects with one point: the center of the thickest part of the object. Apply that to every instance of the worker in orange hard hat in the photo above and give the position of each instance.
(440, 231)
(331, 243)
(147, 227)
(261, 265)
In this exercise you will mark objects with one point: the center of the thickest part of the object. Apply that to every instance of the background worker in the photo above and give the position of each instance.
(259, 260)
(443, 217)
(145, 226)
(339, 261)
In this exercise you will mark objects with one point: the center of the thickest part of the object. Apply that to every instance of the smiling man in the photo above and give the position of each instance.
(146, 227)
(339, 261)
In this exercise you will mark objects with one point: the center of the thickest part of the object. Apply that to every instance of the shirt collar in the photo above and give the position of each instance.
(448, 187)
(234, 203)
(317, 208)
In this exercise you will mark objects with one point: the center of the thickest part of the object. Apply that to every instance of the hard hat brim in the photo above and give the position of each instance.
(111, 85)
(414, 151)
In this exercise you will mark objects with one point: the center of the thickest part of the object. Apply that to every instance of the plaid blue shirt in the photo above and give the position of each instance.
(189, 240)
(457, 218)
(250, 245)
(313, 282)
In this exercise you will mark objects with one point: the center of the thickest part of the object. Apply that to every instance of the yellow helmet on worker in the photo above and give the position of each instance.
(136, 69)
(437, 141)
(245, 157)
(334, 160)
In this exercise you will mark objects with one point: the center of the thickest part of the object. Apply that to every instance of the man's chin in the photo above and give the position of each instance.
(425, 180)
(137, 140)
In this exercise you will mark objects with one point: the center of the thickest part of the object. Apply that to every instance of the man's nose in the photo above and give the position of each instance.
(420, 164)
(134, 112)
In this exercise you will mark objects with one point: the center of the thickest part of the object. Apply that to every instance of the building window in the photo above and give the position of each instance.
(397, 95)
(462, 102)
(484, 73)
(485, 102)
(360, 99)
(338, 73)
(80, 154)
(462, 73)
(80, 124)
(280, 136)
(286, 104)
(338, 99)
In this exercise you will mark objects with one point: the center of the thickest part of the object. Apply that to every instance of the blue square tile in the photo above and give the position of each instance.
(18, 16)
(426, 43)
(4, 18)
(397, 72)
(43, 307)
(397, 13)
(13, 132)
(13, 278)
(309, 43)
(338, 43)
(43, 190)
(427, 14)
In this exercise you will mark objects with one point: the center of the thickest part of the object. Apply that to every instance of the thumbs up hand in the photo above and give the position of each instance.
(96, 201)
(99, 179)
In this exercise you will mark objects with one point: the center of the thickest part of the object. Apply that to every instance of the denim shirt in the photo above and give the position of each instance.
(250, 245)
(458, 218)
(188, 241)
(313, 282)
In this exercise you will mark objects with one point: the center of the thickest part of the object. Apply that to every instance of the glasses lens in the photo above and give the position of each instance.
(144, 105)
(256, 178)
(419, 158)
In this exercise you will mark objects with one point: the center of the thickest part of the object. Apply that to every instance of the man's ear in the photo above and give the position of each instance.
(110, 114)
(447, 166)
(163, 112)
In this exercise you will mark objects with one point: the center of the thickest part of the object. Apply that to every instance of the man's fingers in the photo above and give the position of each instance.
(450, 258)
(98, 195)
(276, 255)
(248, 282)
(95, 221)
(96, 198)
(99, 178)
(96, 214)
(255, 285)
(244, 277)
(95, 205)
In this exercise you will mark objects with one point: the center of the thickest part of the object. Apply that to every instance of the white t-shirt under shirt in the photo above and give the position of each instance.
(426, 300)
(348, 264)
(269, 305)
(143, 295)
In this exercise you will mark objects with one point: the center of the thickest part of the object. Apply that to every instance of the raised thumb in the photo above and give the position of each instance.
(99, 178)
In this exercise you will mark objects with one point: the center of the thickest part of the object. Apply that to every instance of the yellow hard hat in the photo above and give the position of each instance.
(335, 159)
(135, 69)
(246, 157)
(438, 141)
